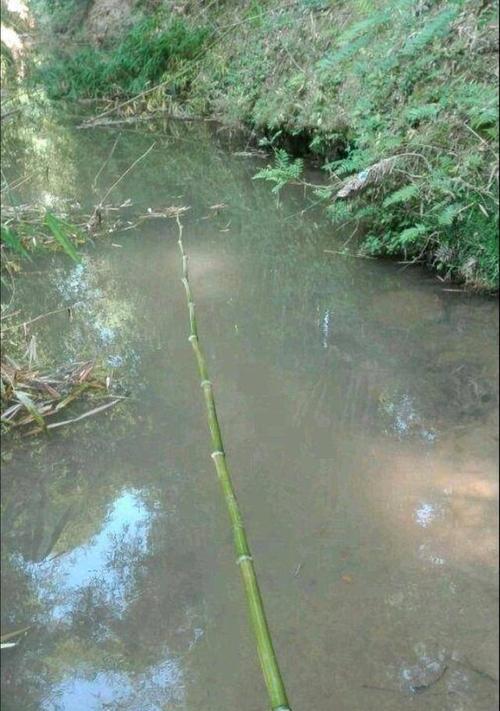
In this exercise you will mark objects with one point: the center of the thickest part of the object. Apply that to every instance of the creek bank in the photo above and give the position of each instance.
(409, 84)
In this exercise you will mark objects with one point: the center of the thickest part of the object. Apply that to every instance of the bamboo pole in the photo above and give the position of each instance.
(267, 656)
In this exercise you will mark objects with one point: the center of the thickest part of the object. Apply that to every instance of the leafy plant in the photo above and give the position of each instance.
(61, 231)
(12, 241)
(140, 59)
(402, 195)
(21, 235)
(285, 170)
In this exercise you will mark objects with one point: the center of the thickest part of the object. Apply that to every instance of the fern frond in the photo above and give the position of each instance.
(447, 216)
(411, 235)
(425, 112)
(402, 195)
(437, 27)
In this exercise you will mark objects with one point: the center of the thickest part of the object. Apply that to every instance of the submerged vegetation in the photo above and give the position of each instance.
(404, 85)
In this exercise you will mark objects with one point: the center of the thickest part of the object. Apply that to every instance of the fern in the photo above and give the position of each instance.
(284, 170)
(402, 195)
(447, 216)
(425, 112)
(360, 28)
(340, 212)
(323, 193)
(437, 27)
(354, 163)
(411, 235)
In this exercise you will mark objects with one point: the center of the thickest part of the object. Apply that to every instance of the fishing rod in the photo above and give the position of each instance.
(267, 656)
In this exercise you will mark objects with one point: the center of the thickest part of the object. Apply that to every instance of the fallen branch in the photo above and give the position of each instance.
(23, 324)
(371, 175)
(98, 208)
(89, 413)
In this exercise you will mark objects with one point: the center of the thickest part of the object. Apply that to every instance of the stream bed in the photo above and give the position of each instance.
(358, 402)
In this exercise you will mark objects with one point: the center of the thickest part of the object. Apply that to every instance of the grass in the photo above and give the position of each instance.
(137, 61)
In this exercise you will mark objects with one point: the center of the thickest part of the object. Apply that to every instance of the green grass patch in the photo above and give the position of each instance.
(143, 57)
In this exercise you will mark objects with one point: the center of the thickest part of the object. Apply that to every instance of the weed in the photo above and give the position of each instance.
(140, 59)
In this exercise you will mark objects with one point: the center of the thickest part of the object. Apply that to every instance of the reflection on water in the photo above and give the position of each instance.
(358, 404)
(156, 689)
(425, 514)
(93, 562)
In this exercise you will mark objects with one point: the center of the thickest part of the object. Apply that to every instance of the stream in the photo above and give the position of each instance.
(358, 402)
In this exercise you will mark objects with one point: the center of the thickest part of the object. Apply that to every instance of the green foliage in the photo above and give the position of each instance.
(426, 112)
(61, 231)
(447, 216)
(380, 79)
(12, 241)
(402, 195)
(139, 60)
(285, 170)
(410, 236)
(21, 236)
(435, 28)
(389, 73)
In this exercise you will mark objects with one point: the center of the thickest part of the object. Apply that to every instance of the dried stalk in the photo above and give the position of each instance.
(267, 656)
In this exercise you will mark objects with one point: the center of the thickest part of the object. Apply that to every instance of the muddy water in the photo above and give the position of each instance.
(358, 403)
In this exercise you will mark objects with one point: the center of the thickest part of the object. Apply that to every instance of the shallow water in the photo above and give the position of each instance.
(358, 401)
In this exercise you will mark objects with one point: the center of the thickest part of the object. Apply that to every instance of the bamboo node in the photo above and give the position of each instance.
(240, 560)
(219, 453)
(193, 337)
(205, 383)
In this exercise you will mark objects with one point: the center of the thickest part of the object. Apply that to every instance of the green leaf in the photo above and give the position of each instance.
(12, 240)
(411, 234)
(284, 170)
(447, 216)
(28, 403)
(402, 195)
(60, 231)
(425, 112)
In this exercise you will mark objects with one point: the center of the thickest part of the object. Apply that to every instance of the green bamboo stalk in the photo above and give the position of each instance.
(267, 656)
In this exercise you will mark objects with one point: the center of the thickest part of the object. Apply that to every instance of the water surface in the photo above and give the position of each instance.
(358, 401)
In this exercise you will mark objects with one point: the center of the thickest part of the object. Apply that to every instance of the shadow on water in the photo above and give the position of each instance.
(358, 403)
